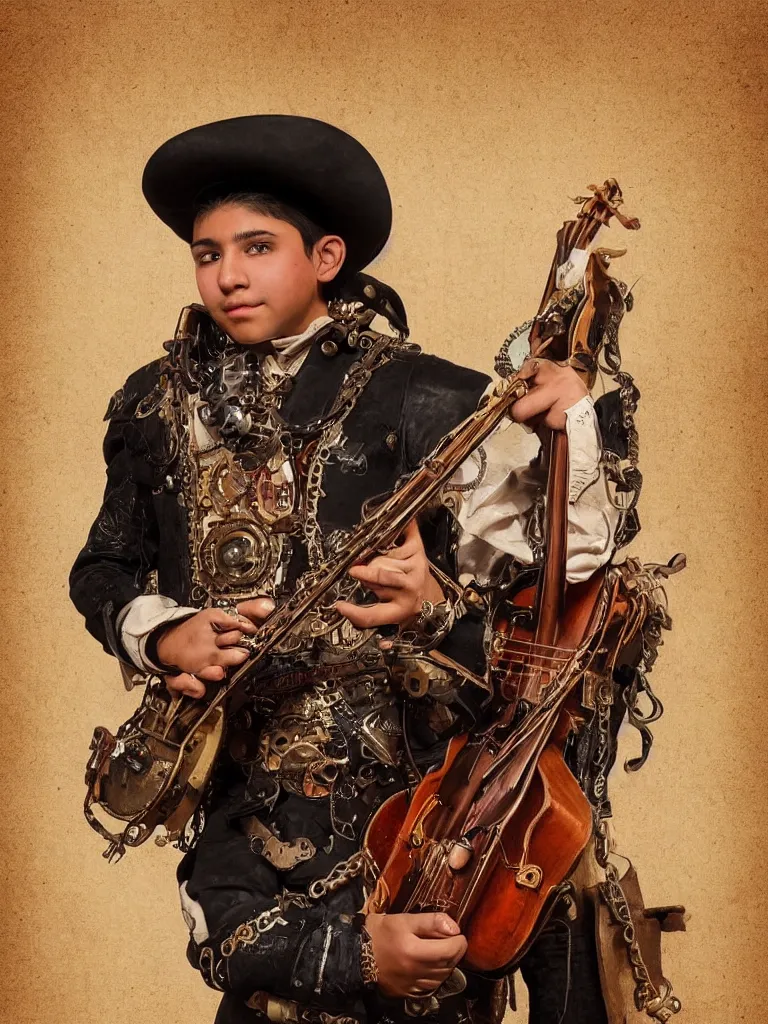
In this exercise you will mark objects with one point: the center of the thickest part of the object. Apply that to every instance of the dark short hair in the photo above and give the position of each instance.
(262, 202)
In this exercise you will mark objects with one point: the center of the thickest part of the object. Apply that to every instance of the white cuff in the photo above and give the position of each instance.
(140, 617)
(583, 447)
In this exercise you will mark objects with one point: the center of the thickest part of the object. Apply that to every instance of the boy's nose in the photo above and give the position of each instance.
(231, 275)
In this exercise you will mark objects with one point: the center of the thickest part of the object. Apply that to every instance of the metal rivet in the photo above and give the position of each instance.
(329, 348)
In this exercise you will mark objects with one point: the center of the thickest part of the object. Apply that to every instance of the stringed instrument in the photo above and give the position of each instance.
(491, 835)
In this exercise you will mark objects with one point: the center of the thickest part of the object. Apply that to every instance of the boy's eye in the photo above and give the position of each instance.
(211, 257)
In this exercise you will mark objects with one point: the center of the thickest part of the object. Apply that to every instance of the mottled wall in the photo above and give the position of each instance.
(485, 117)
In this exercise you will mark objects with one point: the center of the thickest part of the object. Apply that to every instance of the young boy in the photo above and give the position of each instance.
(242, 460)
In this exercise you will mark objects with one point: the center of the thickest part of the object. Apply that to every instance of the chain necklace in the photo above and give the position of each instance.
(380, 351)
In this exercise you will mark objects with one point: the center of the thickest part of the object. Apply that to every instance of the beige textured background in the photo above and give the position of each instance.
(485, 117)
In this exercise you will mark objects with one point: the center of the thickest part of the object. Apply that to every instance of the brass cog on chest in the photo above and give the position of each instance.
(237, 553)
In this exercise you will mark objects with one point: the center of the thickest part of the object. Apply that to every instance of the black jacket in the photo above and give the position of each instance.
(142, 524)
(408, 405)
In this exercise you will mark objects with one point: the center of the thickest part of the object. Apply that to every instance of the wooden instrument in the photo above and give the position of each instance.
(490, 836)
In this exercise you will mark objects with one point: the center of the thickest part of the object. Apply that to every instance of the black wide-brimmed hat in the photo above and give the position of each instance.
(315, 167)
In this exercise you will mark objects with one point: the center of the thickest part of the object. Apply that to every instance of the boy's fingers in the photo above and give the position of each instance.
(529, 369)
(535, 402)
(229, 656)
(222, 621)
(186, 684)
(411, 542)
(555, 418)
(444, 953)
(230, 639)
(409, 545)
(257, 609)
(379, 575)
(362, 616)
(365, 616)
(211, 674)
(402, 565)
(434, 925)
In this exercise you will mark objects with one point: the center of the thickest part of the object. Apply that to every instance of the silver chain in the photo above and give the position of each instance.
(658, 1005)
(341, 874)
(473, 484)
(248, 932)
(352, 387)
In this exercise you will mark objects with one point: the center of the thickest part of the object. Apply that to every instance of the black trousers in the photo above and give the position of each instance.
(561, 972)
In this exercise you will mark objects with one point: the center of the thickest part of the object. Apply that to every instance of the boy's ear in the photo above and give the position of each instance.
(329, 255)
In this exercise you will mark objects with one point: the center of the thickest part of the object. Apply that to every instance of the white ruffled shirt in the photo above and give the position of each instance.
(492, 515)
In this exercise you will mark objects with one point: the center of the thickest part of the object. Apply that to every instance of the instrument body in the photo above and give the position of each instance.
(155, 770)
(501, 823)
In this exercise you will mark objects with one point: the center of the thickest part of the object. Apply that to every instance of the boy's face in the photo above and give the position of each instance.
(254, 276)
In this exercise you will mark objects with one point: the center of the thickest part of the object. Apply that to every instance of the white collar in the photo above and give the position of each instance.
(287, 350)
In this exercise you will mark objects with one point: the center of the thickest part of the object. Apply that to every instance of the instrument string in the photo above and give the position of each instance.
(529, 660)
(431, 876)
(415, 896)
(554, 671)
(527, 675)
(501, 641)
(534, 659)
(515, 658)
(516, 668)
(529, 643)
(422, 891)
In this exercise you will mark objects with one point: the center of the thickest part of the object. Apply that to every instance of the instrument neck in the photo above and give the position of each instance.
(551, 592)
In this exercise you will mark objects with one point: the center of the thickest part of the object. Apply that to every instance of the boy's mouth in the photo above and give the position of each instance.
(241, 310)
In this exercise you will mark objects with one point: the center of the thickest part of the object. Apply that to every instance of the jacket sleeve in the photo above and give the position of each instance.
(499, 511)
(248, 935)
(440, 396)
(122, 543)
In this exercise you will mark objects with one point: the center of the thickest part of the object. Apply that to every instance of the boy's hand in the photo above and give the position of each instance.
(204, 645)
(401, 581)
(414, 953)
(554, 388)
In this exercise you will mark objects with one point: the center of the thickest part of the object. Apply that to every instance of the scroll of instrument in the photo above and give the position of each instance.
(490, 836)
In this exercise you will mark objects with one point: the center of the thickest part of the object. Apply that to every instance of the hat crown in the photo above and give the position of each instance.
(310, 164)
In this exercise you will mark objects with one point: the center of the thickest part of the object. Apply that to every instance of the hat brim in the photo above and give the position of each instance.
(314, 166)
